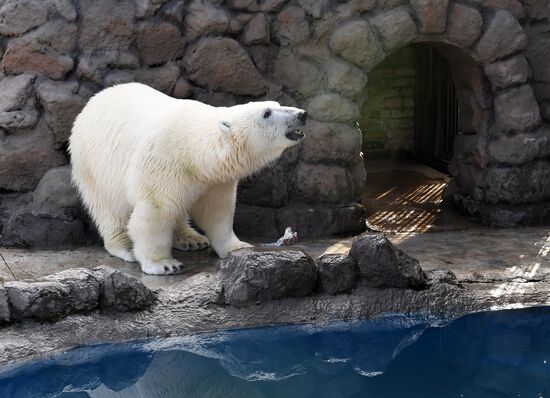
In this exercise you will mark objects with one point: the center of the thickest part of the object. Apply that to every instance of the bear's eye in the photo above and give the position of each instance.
(267, 113)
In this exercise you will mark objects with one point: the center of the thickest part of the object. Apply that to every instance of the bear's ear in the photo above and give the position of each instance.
(224, 126)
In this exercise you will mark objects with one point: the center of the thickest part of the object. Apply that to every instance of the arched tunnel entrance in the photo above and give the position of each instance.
(409, 122)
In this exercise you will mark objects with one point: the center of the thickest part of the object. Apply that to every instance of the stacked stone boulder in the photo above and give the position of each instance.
(72, 291)
(252, 276)
(55, 54)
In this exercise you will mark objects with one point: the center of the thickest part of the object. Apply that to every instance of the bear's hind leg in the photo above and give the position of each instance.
(118, 244)
(186, 238)
(111, 222)
(152, 233)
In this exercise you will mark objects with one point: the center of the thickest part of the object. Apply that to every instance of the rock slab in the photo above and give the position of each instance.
(381, 264)
(254, 275)
(122, 292)
(336, 273)
(72, 291)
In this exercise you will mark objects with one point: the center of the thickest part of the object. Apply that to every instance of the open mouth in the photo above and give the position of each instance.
(295, 135)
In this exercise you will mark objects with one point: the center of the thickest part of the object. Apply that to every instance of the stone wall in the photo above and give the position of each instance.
(55, 54)
(387, 117)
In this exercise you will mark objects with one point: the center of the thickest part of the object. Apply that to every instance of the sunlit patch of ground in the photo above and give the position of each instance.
(406, 197)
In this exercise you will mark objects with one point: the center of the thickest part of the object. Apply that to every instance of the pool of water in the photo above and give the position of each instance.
(494, 354)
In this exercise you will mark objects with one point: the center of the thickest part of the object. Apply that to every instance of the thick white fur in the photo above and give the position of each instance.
(145, 163)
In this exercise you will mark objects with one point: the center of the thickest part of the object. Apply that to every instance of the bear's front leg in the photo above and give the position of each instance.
(152, 232)
(213, 212)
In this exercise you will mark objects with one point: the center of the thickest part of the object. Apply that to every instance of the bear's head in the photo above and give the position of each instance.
(266, 126)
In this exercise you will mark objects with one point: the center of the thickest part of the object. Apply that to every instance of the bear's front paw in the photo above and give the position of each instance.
(168, 266)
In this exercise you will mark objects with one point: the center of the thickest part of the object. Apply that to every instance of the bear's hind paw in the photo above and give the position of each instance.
(191, 242)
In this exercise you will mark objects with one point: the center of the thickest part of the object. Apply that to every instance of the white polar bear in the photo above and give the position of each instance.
(145, 164)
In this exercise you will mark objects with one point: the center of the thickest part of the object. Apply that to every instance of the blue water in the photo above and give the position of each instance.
(498, 354)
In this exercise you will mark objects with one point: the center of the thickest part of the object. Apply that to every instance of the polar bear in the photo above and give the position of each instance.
(145, 164)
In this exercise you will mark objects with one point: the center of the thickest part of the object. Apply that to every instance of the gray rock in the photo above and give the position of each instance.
(122, 292)
(248, 276)
(257, 30)
(504, 149)
(356, 42)
(431, 14)
(93, 66)
(106, 24)
(506, 73)
(291, 26)
(66, 9)
(538, 51)
(5, 315)
(256, 221)
(56, 295)
(272, 5)
(519, 184)
(83, 287)
(72, 291)
(517, 109)
(146, 8)
(222, 64)
(396, 27)
(18, 119)
(322, 183)
(162, 78)
(56, 196)
(182, 88)
(25, 158)
(56, 35)
(118, 76)
(332, 107)
(159, 42)
(203, 17)
(61, 105)
(514, 6)
(387, 4)
(15, 91)
(20, 16)
(315, 8)
(465, 24)
(438, 276)
(336, 273)
(256, 5)
(40, 299)
(174, 10)
(28, 55)
(331, 142)
(297, 74)
(381, 264)
(269, 187)
(503, 36)
(345, 78)
(214, 98)
(27, 229)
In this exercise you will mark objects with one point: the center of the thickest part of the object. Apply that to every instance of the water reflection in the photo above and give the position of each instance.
(501, 354)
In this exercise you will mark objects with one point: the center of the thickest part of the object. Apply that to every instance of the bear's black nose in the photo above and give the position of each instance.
(302, 117)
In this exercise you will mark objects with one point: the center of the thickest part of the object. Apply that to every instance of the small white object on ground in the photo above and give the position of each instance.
(289, 238)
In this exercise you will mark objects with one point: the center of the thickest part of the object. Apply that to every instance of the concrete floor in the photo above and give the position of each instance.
(402, 200)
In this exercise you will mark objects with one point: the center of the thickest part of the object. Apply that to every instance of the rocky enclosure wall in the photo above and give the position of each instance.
(55, 54)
